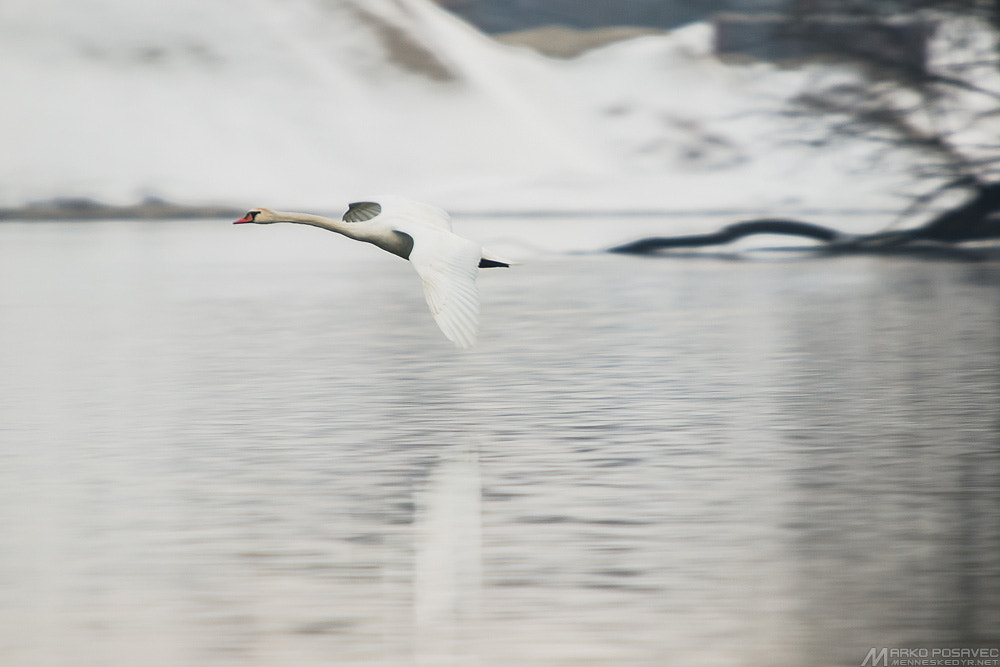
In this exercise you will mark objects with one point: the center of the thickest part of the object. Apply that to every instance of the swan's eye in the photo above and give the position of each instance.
(253, 214)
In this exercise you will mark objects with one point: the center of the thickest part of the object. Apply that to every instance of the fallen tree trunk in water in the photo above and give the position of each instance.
(729, 234)
(975, 220)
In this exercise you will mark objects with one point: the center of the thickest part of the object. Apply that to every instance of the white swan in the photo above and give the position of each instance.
(446, 263)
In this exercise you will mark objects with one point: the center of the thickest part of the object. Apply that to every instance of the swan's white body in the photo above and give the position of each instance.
(446, 263)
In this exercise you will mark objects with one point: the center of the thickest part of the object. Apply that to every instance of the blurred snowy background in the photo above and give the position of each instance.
(309, 103)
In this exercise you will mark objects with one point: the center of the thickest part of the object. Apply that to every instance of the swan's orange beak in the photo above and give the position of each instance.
(245, 218)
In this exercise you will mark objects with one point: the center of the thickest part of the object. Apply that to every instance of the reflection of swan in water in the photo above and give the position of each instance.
(447, 572)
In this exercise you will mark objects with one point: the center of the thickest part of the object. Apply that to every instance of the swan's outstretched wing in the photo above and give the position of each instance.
(447, 264)
(408, 212)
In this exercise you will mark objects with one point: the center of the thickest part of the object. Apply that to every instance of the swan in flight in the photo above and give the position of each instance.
(446, 263)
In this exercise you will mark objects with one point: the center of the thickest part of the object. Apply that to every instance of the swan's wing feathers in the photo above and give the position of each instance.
(414, 214)
(360, 211)
(448, 265)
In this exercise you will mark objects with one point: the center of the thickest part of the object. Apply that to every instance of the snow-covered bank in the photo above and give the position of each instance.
(308, 104)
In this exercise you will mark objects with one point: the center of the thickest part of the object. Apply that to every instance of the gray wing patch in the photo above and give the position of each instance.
(362, 210)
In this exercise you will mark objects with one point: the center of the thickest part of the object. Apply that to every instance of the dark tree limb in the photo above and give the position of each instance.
(731, 233)
(976, 220)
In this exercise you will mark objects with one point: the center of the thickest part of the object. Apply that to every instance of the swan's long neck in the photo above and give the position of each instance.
(330, 224)
(394, 242)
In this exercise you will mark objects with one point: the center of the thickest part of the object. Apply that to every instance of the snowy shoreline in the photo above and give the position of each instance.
(88, 210)
(83, 209)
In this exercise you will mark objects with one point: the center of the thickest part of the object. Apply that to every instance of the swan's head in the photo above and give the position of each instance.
(260, 216)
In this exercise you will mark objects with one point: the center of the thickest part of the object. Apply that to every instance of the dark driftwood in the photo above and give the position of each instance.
(976, 220)
(729, 234)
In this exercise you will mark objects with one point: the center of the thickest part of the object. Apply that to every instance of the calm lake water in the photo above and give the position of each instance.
(252, 446)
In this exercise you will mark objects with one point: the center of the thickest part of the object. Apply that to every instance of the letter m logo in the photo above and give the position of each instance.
(876, 658)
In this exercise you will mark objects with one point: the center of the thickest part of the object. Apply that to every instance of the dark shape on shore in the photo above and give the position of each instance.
(728, 234)
(978, 219)
(81, 208)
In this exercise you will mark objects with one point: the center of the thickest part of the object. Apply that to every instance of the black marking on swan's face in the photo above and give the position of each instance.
(251, 216)
(360, 211)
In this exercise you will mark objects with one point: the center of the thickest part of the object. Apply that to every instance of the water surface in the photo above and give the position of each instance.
(251, 446)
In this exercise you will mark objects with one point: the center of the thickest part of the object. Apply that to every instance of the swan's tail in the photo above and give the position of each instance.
(490, 261)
